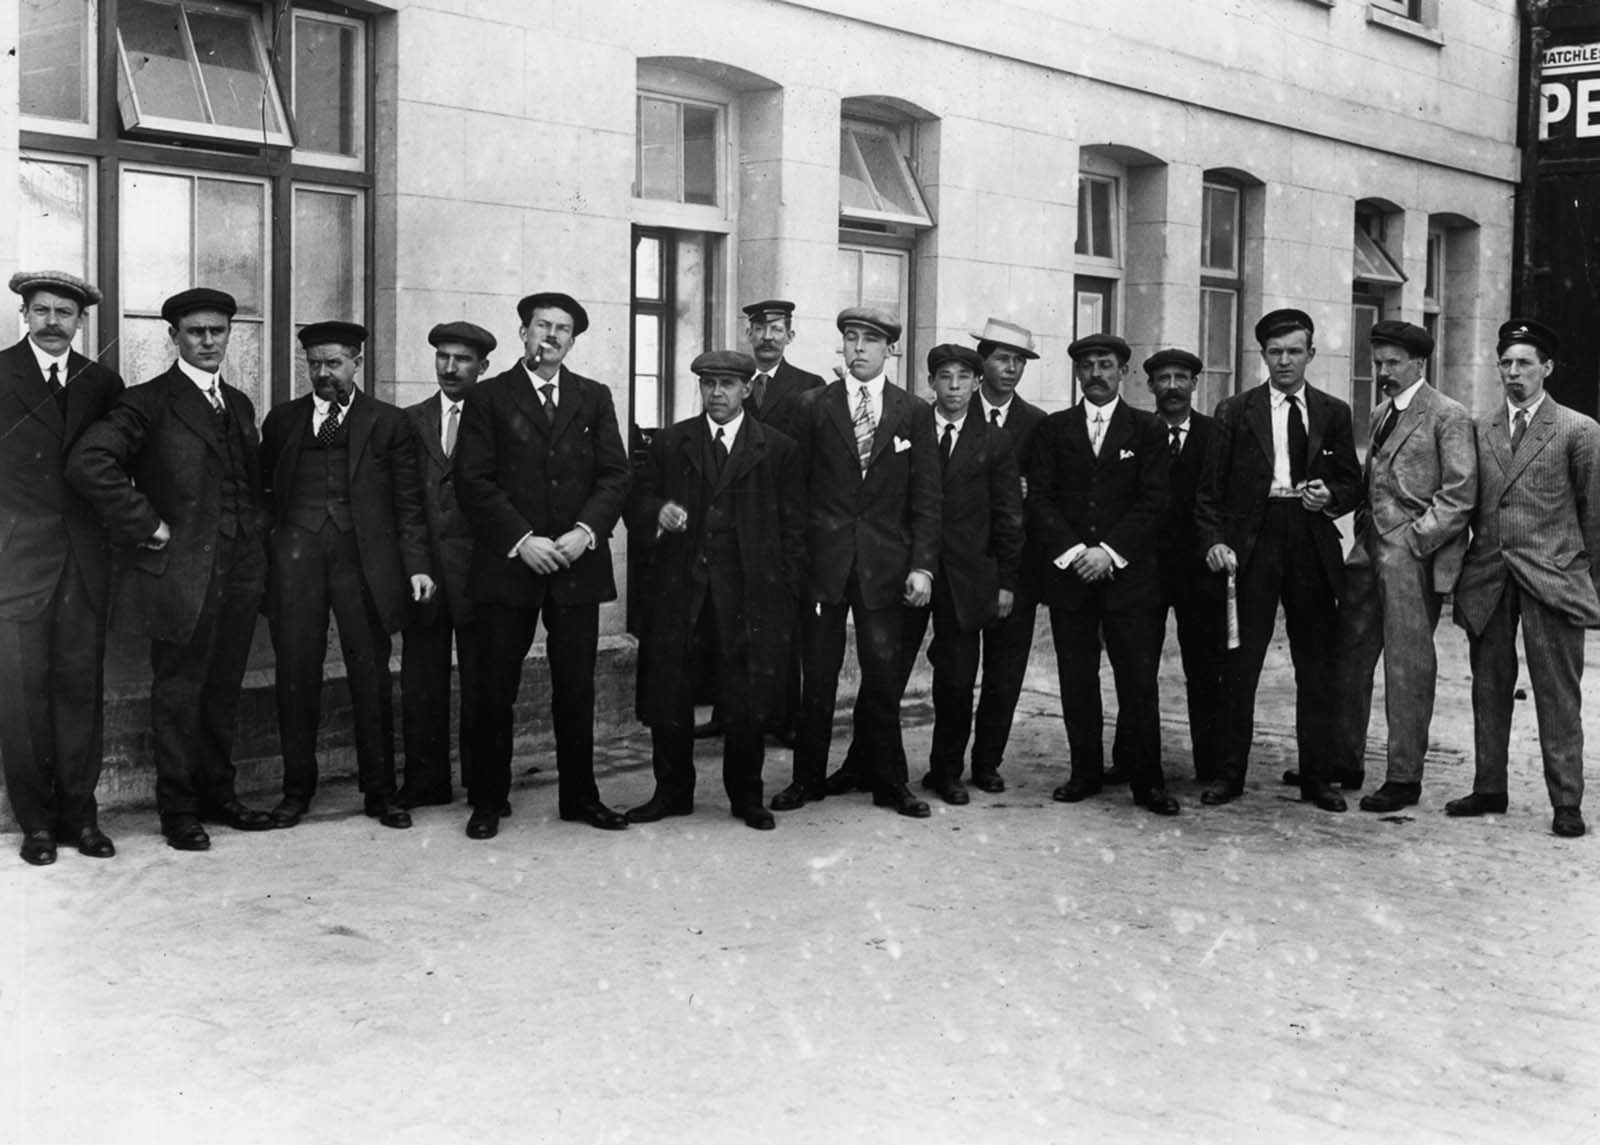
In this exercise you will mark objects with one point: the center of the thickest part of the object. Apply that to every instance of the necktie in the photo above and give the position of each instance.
(994, 418)
(1176, 447)
(330, 426)
(57, 390)
(864, 428)
(218, 410)
(1299, 444)
(549, 392)
(719, 450)
(1385, 429)
(758, 394)
(947, 443)
(1519, 428)
(452, 423)
(1098, 432)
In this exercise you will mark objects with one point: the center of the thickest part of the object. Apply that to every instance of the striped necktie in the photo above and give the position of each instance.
(865, 428)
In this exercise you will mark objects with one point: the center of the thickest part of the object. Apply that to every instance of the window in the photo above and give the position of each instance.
(329, 90)
(679, 149)
(56, 204)
(875, 276)
(875, 180)
(57, 73)
(1098, 219)
(1433, 300)
(1221, 283)
(1410, 9)
(1417, 18)
(329, 255)
(1365, 312)
(675, 284)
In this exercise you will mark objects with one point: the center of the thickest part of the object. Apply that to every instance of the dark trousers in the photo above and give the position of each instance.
(319, 573)
(878, 652)
(1284, 567)
(572, 641)
(1198, 600)
(194, 693)
(51, 675)
(954, 655)
(1006, 646)
(425, 675)
(1132, 636)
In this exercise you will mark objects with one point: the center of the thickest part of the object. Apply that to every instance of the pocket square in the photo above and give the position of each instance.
(1327, 453)
(1124, 454)
(901, 445)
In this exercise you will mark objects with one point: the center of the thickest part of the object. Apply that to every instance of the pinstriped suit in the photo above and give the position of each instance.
(1534, 536)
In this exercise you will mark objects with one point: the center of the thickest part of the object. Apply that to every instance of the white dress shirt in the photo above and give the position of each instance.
(1282, 484)
(321, 408)
(1105, 412)
(46, 361)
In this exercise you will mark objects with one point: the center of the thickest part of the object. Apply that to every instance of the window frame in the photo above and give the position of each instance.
(88, 328)
(1218, 281)
(1114, 229)
(656, 82)
(87, 127)
(304, 156)
(865, 242)
(850, 129)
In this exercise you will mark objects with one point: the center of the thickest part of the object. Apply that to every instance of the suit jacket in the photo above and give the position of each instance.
(42, 518)
(385, 497)
(788, 385)
(449, 535)
(157, 456)
(1178, 542)
(760, 485)
(883, 523)
(1231, 503)
(1537, 518)
(516, 474)
(1115, 498)
(980, 550)
(1422, 483)
(1022, 423)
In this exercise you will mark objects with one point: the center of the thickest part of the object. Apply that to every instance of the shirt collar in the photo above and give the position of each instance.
(1511, 410)
(446, 402)
(730, 431)
(874, 385)
(538, 381)
(989, 407)
(323, 406)
(45, 361)
(941, 420)
(1181, 427)
(1281, 399)
(202, 378)
(1107, 411)
(1403, 399)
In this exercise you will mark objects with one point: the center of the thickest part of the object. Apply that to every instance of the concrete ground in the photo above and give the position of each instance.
(1012, 971)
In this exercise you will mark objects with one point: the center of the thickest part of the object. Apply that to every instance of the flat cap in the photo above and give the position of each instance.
(580, 316)
(342, 333)
(769, 306)
(1174, 357)
(1411, 338)
(1100, 342)
(26, 282)
(872, 317)
(725, 362)
(199, 298)
(1003, 333)
(1528, 331)
(949, 352)
(1284, 321)
(467, 333)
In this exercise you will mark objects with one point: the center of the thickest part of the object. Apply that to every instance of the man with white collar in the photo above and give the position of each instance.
(1420, 484)
(1532, 561)
(54, 576)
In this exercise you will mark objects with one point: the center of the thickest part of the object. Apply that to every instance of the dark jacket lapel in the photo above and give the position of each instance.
(747, 451)
(361, 419)
(193, 408)
(32, 391)
(1258, 418)
(567, 399)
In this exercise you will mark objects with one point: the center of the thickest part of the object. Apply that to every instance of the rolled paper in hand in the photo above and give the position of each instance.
(1233, 611)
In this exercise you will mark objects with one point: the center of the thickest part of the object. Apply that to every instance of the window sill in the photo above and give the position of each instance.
(1395, 23)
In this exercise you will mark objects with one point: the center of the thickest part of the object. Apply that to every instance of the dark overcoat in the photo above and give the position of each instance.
(981, 548)
(449, 535)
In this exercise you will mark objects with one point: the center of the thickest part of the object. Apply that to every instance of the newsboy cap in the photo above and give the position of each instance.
(339, 333)
(27, 282)
(580, 316)
(769, 307)
(1284, 321)
(1173, 357)
(724, 362)
(1411, 338)
(1528, 331)
(1009, 334)
(466, 333)
(198, 298)
(949, 352)
(1093, 342)
(871, 317)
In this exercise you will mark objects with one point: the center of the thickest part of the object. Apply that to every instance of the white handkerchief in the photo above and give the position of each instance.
(901, 445)
(1123, 455)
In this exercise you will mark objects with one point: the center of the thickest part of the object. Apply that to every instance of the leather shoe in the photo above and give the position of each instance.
(711, 729)
(186, 835)
(95, 843)
(1114, 776)
(1392, 797)
(597, 814)
(482, 824)
(1568, 823)
(1323, 796)
(236, 815)
(947, 787)
(1350, 780)
(656, 808)
(795, 796)
(755, 816)
(1476, 804)
(988, 779)
(408, 800)
(38, 848)
(900, 798)
(387, 812)
(1219, 792)
(1157, 801)
(288, 813)
(843, 782)
(1076, 790)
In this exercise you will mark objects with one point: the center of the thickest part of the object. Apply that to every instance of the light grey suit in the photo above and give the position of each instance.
(1533, 535)
(1410, 536)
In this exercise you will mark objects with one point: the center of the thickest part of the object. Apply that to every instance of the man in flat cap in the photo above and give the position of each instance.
(1097, 488)
(719, 502)
(1006, 349)
(1282, 466)
(1535, 534)
(174, 472)
(872, 545)
(1419, 487)
(543, 478)
(460, 356)
(350, 539)
(54, 576)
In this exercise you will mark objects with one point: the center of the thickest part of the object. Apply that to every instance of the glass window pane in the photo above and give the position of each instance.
(888, 177)
(848, 278)
(700, 155)
(880, 280)
(1081, 246)
(54, 230)
(54, 71)
(145, 348)
(855, 189)
(231, 71)
(647, 344)
(326, 256)
(1101, 214)
(647, 269)
(1219, 227)
(326, 86)
(1218, 328)
(658, 149)
(158, 62)
(242, 368)
(230, 231)
(647, 401)
(157, 260)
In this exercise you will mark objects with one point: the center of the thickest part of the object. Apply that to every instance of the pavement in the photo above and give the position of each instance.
(1015, 970)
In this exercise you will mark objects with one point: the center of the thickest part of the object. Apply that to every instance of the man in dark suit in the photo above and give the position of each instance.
(720, 495)
(543, 478)
(460, 356)
(349, 537)
(1097, 489)
(53, 575)
(174, 473)
(1281, 467)
(1532, 561)
(1006, 349)
(1195, 595)
(872, 543)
